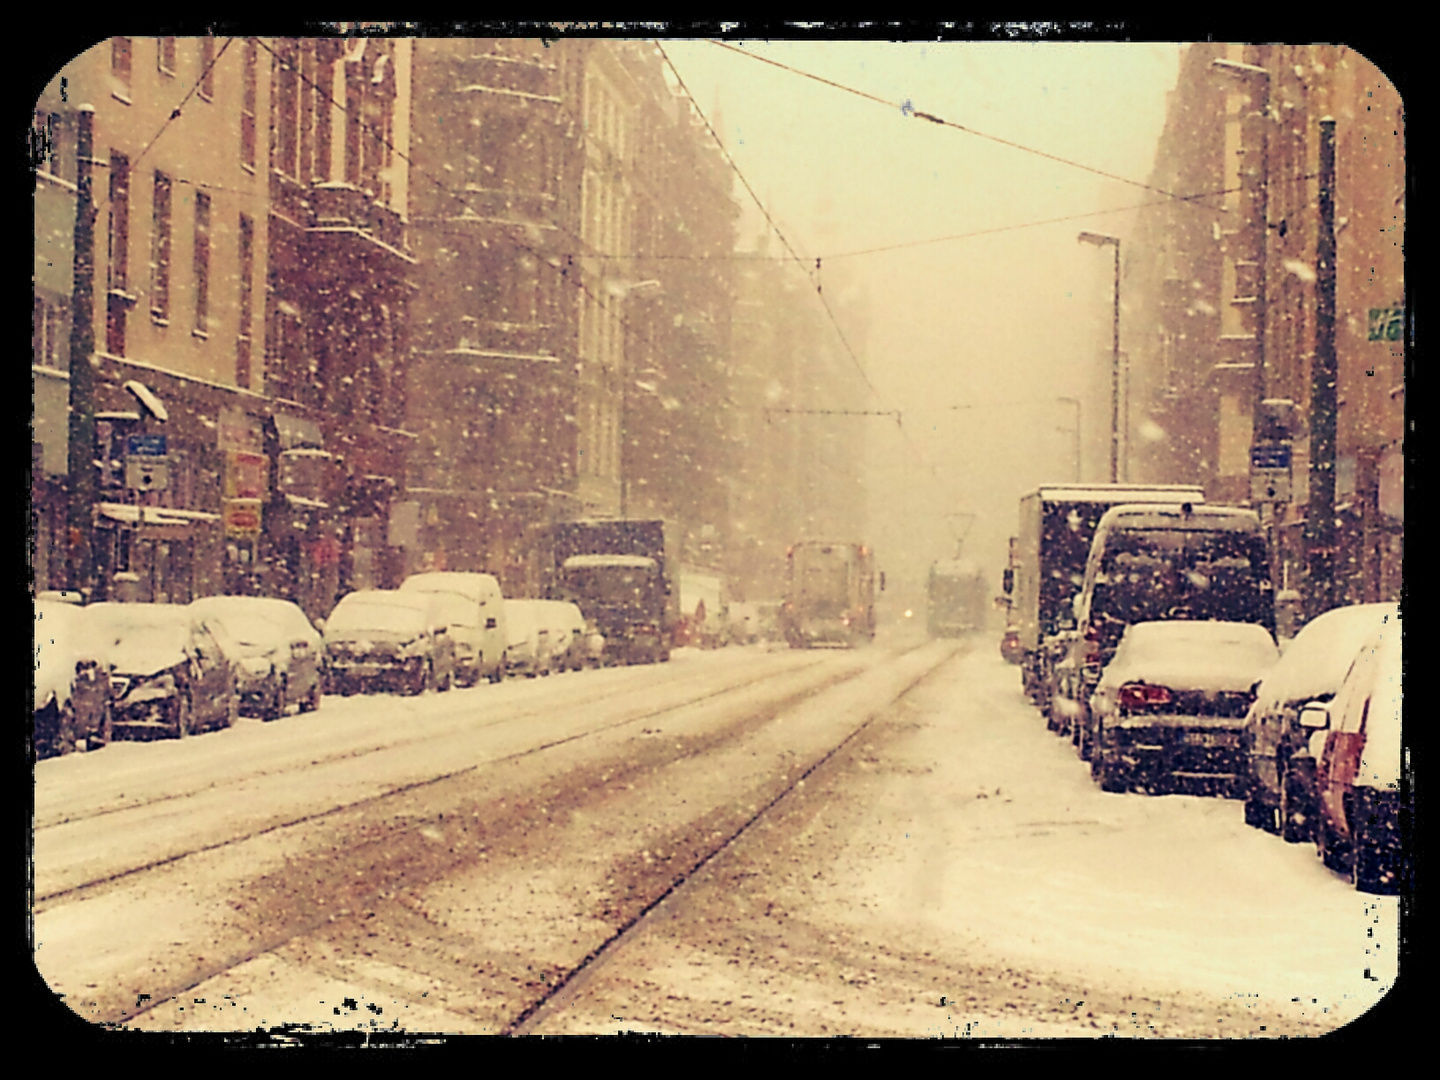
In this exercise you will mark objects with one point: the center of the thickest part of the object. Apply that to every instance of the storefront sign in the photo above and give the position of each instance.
(242, 518)
(245, 474)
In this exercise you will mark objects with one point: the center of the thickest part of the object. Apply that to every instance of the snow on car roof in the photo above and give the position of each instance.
(1192, 655)
(380, 610)
(1132, 492)
(580, 562)
(285, 616)
(1314, 663)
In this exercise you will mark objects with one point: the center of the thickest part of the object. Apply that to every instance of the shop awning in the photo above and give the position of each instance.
(152, 515)
(296, 431)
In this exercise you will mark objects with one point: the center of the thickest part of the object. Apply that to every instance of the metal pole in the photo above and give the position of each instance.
(79, 559)
(1115, 379)
(1320, 519)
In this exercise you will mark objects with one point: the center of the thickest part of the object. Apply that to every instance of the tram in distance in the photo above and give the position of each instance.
(829, 594)
(955, 598)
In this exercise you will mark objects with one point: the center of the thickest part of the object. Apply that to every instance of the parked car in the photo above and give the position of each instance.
(479, 637)
(277, 654)
(1363, 824)
(1150, 562)
(72, 681)
(567, 634)
(1281, 771)
(1170, 707)
(743, 622)
(528, 651)
(169, 674)
(391, 639)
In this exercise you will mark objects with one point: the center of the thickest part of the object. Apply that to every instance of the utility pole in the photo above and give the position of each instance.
(79, 558)
(1320, 519)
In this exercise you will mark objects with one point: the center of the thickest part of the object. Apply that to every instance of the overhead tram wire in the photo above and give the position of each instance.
(840, 333)
(907, 109)
(548, 259)
(175, 114)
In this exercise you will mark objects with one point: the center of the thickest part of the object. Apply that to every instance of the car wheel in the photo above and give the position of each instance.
(1258, 815)
(1294, 824)
(183, 715)
(275, 707)
(106, 729)
(65, 729)
(1333, 850)
(1370, 869)
(1107, 773)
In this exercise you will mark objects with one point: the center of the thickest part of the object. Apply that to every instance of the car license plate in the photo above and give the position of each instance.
(1210, 738)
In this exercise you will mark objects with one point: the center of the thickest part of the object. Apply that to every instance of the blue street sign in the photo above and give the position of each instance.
(1271, 456)
(145, 445)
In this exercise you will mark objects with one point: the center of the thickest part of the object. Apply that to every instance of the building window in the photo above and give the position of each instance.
(117, 261)
(247, 276)
(160, 250)
(120, 59)
(324, 84)
(285, 130)
(49, 334)
(165, 53)
(247, 106)
(202, 262)
(207, 67)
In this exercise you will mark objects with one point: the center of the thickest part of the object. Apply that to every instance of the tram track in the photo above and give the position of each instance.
(389, 859)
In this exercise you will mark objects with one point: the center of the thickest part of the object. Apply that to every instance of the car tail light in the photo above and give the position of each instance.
(1143, 696)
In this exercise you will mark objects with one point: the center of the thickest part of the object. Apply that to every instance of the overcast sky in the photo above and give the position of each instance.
(1008, 321)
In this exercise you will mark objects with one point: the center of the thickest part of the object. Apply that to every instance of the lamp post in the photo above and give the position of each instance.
(1100, 240)
(625, 290)
(1076, 403)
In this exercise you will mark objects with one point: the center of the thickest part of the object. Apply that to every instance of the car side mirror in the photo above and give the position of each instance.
(490, 623)
(1315, 716)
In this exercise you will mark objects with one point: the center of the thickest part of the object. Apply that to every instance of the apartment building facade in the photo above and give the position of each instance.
(1223, 285)
(201, 383)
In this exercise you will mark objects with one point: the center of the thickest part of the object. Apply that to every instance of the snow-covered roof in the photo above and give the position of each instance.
(377, 610)
(1160, 515)
(1314, 663)
(1191, 655)
(1130, 492)
(152, 515)
(585, 562)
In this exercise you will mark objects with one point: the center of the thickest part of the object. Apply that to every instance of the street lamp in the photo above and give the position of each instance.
(624, 290)
(1100, 240)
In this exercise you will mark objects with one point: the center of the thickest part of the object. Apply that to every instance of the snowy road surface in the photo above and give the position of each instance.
(745, 841)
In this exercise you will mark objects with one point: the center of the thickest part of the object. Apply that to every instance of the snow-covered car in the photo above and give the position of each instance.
(742, 620)
(1363, 825)
(1281, 771)
(567, 634)
(385, 638)
(1170, 706)
(479, 634)
(169, 675)
(72, 681)
(528, 649)
(275, 651)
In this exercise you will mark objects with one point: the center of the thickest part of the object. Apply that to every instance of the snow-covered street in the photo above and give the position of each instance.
(878, 842)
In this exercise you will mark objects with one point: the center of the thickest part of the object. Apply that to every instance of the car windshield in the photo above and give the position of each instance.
(610, 585)
(1151, 573)
(375, 616)
(131, 624)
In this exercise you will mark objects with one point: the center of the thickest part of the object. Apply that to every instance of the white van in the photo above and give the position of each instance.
(480, 641)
